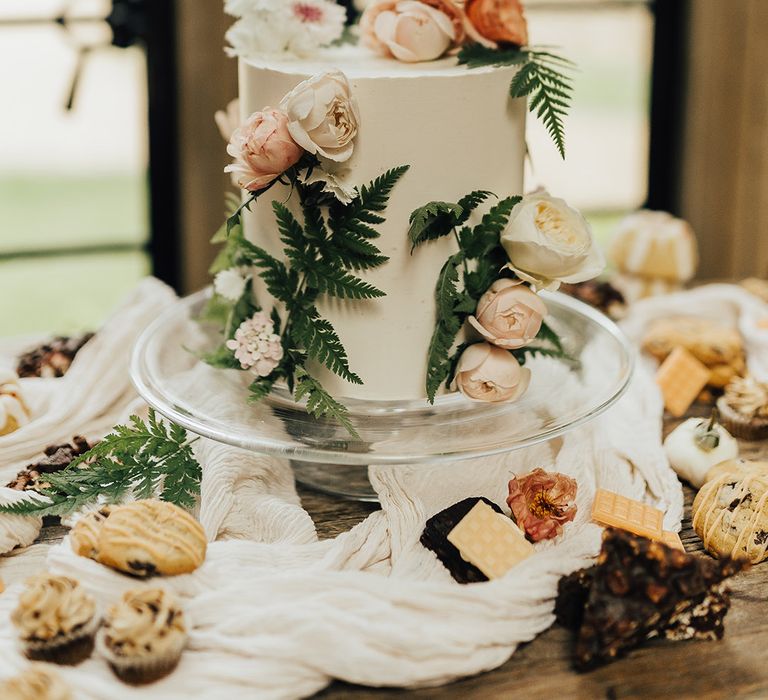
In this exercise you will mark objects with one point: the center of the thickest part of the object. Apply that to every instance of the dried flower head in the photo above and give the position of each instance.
(256, 346)
(542, 502)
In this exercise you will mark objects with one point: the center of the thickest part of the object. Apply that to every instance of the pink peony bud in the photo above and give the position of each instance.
(263, 149)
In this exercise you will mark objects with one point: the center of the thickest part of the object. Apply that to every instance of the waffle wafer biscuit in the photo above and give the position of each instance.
(614, 510)
(672, 539)
(490, 541)
(681, 377)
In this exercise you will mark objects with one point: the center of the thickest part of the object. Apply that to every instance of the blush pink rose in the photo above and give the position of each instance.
(263, 149)
(488, 373)
(542, 502)
(497, 21)
(509, 314)
(412, 30)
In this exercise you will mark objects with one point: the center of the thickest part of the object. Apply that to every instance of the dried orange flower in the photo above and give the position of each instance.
(542, 502)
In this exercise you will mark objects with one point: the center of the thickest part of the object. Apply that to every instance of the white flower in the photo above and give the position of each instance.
(548, 242)
(256, 346)
(228, 119)
(323, 116)
(230, 283)
(335, 180)
(277, 26)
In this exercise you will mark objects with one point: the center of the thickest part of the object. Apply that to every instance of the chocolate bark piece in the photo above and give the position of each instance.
(57, 457)
(642, 589)
(435, 539)
(51, 359)
(572, 594)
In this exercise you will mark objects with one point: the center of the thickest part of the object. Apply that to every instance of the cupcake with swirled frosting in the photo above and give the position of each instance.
(143, 635)
(36, 683)
(744, 408)
(56, 620)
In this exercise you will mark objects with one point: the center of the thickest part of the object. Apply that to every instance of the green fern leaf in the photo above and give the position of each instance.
(320, 403)
(470, 202)
(335, 281)
(291, 231)
(432, 221)
(145, 458)
(478, 242)
(318, 337)
(447, 327)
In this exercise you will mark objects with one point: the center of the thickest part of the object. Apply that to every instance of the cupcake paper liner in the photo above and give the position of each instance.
(64, 649)
(140, 670)
(739, 425)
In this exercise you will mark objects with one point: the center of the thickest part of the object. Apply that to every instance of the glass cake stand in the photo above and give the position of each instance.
(213, 403)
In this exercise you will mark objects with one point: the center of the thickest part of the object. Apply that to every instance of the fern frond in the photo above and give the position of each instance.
(447, 327)
(335, 281)
(320, 403)
(470, 202)
(320, 341)
(143, 457)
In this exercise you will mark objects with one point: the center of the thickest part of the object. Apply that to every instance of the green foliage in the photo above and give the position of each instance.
(437, 219)
(319, 339)
(465, 277)
(447, 327)
(323, 248)
(260, 388)
(432, 221)
(143, 458)
(320, 403)
(542, 78)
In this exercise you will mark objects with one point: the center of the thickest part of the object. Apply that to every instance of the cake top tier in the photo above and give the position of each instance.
(359, 62)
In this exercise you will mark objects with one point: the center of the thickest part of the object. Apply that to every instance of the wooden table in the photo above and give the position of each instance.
(737, 666)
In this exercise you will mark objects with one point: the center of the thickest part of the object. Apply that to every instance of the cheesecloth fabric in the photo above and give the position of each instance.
(277, 613)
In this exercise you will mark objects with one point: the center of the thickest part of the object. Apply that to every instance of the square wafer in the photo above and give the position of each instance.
(681, 377)
(672, 539)
(614, 510)
(490, 541)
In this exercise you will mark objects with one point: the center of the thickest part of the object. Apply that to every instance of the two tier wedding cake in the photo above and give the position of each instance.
(383, 248)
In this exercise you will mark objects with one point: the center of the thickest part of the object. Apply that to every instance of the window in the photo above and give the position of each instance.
(73, 182)
(605, 173)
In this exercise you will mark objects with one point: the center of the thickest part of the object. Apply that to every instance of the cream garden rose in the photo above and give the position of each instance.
(412, 30)
(323, 117)
(549, 242)
(489, 373)
(509, 314)
(263, 149)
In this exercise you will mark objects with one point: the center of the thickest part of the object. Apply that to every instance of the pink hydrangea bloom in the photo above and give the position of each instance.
(256, 346)
(542, 502)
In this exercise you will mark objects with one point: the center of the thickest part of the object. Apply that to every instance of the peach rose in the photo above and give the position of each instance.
(542, 503)
(498, 21)
(488, 373)
(263, 149)
(509, 314)
(412, 30)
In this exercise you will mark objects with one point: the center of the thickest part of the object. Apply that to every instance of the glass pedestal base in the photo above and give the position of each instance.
(213, 403)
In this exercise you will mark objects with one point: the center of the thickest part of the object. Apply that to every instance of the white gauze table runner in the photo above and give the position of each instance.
(276, 613)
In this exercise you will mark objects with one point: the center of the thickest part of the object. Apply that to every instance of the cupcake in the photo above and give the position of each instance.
(14, 412)
(37, 683)
(143, 636)
(56, 620)
(744, 408)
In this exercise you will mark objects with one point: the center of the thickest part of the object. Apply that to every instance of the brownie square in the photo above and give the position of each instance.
(435, 539)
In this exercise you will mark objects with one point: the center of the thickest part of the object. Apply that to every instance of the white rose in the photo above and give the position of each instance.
(323, 117)
(548, 242)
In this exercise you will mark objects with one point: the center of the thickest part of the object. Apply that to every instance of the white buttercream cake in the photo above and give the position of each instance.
(459, 131)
